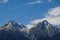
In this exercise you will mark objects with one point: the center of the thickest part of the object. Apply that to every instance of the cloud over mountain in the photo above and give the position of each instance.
(52, 16)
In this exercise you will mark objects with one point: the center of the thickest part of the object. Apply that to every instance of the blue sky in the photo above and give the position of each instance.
(24, 11)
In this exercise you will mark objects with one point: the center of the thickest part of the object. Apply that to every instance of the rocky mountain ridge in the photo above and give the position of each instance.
(41, 31)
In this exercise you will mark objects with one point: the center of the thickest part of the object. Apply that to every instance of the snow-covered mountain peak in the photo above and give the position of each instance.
(33, 30)
(12, 25)
(45, 22)
(34, 24)
(44, 27)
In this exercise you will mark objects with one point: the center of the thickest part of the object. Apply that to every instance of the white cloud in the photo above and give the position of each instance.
(35, 2)
(54, 11)
(49, 0)
(39, 2)
(52, 20)
(3, 1)
(52, 16)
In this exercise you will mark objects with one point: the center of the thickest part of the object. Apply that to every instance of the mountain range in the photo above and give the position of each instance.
(40, 31)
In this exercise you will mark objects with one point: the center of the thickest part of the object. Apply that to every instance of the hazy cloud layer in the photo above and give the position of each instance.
(35, 2)
(3, 1)
(38, 2)
(49, 0)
